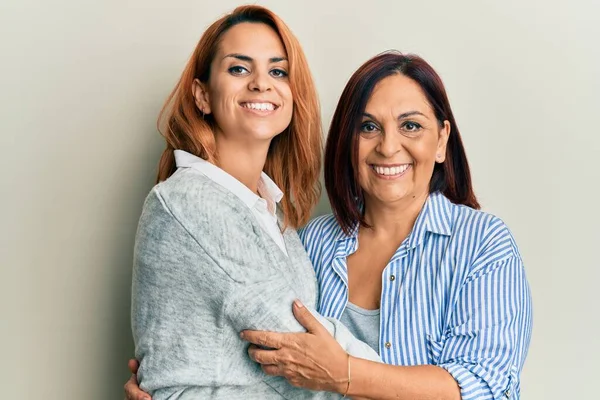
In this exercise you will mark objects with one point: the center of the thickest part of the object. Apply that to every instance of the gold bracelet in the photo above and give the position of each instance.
(348, 386)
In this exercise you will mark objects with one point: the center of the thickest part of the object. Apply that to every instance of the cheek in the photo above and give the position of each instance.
(364, 172)
(288, 98)
(223, 92)
(424, 153)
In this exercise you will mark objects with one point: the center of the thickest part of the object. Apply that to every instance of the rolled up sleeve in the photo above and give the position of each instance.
(485, 348)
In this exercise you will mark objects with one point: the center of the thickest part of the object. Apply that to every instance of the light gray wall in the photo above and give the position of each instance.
(81, 83)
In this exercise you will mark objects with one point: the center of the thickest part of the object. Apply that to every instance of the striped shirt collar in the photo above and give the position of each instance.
(435, 217)
(266, 187)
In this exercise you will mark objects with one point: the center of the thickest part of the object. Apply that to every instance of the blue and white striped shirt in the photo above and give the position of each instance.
(454, 295)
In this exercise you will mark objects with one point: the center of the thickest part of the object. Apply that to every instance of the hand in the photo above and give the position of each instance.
(132, 389)
(311, 360)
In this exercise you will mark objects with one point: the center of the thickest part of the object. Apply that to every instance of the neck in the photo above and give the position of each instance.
(242, 160)
(396, 219)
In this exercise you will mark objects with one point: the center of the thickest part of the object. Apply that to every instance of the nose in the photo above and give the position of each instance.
(260, 82)
(390, 143)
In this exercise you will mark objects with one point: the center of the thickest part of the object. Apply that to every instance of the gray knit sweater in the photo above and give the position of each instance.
(204, 270)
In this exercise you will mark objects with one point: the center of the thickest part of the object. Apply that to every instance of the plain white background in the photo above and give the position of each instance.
(81, 84)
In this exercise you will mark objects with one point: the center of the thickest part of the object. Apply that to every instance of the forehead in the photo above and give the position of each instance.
(256, 40)
(398, 93)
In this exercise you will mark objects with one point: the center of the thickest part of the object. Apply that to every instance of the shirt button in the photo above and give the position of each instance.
(507, 394)
(392, 278)
(388, 345)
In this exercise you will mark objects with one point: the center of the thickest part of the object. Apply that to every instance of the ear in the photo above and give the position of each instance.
(443, 136)
(201, 95)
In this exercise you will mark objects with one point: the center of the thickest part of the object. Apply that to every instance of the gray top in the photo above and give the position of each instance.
(363, 323)
(204, 270)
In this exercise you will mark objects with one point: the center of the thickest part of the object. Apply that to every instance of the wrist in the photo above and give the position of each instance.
(344, 387)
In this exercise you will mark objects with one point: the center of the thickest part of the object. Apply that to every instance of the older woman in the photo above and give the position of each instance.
(406, 260)
(213, 255)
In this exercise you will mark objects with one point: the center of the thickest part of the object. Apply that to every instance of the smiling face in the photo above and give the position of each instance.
(248, 91)
(400, 141)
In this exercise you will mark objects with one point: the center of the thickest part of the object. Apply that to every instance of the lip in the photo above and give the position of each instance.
(262, 113)
(390, 177)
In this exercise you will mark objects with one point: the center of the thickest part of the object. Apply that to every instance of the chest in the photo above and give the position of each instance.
(416, 288)
(365, 268)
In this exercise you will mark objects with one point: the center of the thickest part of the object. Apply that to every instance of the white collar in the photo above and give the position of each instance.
(266, 187)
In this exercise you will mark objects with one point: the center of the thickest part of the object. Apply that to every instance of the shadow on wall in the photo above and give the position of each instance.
(130, 189)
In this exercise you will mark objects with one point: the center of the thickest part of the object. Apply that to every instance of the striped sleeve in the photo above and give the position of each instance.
(486, 345)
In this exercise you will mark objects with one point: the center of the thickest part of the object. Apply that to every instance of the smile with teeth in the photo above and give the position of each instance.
(260, 106)
(390, 171)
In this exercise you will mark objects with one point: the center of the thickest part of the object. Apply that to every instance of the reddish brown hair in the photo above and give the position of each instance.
(294, 158)
(452, 178)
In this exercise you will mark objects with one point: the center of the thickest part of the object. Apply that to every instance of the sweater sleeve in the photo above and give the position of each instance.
(176, 308)
(194, 291)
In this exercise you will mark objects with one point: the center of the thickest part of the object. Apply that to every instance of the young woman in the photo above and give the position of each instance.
(214, 254)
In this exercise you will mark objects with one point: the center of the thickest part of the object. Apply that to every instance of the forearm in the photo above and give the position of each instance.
(374, 380)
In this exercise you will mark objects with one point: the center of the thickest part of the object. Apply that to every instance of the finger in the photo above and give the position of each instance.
(306, 319)
(272, 370)
(133, 365)
(133, 391)
(272, 340)
(263, 356)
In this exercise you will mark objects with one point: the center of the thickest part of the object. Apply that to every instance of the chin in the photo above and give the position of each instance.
(264, 133)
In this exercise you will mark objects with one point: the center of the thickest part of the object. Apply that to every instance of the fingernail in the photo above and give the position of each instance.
(242, 335)
(298, 303)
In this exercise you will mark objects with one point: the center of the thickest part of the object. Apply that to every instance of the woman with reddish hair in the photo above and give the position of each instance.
(216, 251)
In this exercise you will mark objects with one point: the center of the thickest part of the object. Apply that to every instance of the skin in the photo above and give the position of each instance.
(399, 129)
(250, 66)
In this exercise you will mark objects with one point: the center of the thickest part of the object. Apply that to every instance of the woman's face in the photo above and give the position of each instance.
(248, 91)
(400, 141)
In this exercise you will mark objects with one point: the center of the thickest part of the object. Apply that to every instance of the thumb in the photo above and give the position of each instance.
(133, 366)
(305, 317)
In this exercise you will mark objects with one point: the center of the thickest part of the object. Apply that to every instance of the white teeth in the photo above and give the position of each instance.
(391, 170)
(260, 106)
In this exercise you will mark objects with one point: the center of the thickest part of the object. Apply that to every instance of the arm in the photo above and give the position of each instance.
(176, 294)
(193, 294)
(480, 357)
(482, 353)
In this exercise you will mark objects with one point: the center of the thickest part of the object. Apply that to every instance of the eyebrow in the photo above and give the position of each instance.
(401, 116)
(243, 57)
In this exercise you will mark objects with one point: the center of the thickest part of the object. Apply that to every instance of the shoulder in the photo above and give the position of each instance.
(485, 228)
(320, 230)
(484, 238)
(320, 237)
(212, 217)
(190, 189)
(195, 200)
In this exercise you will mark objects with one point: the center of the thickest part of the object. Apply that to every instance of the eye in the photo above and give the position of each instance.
(237, 70)
(278, 73)
(411, 126)
(369, 127)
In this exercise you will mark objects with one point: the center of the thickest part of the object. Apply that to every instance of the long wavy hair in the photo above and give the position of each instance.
(294, 157)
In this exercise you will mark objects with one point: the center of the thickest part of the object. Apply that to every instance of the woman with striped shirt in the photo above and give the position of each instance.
(406, 260)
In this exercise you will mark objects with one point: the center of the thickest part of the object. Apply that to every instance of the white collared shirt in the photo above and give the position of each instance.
(264, 207)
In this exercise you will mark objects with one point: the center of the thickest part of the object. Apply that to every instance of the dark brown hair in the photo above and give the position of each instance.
(452, 177)
(294, 158)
